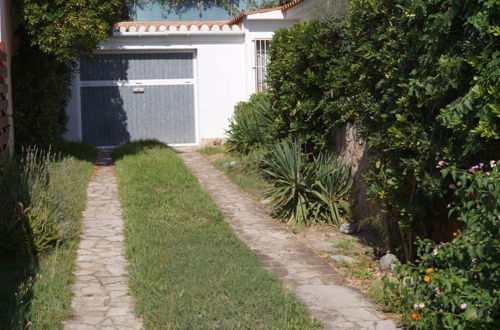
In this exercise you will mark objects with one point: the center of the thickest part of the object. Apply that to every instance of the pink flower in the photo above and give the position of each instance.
(463, 306)
(476, 167)
(452, 186)
(437, 291)
(448, 206)
(440, 164)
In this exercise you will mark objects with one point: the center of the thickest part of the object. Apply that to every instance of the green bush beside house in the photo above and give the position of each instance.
(420, 79)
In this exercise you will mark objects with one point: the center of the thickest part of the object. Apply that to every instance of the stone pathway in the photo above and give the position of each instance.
(309, 277)
(101, 298)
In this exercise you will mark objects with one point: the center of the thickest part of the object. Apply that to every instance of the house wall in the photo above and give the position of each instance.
(219, 72)
(6, 36)
(224, 71)
(258, 29)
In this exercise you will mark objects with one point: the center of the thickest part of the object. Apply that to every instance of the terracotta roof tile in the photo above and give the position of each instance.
(173, 26)
(238, 19)
(231, 25)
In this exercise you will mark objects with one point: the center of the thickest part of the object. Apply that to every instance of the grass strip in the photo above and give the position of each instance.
(188, 270)
(52, 293)
(242, 170)
(36, 289)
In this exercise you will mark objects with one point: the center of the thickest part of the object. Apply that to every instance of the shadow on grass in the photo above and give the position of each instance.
(18, 255)
(21, 192)
(137, 147)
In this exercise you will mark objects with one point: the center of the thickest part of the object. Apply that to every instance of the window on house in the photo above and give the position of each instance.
(261, 60)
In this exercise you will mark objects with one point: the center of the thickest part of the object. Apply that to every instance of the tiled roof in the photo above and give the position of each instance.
(283, 7)
(232, 25)
(174, 26)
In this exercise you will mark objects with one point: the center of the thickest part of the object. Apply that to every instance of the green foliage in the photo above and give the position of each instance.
(252, 125)
(307, 79)
(67, 29)
(51, 35)
(35, 207)
(39, 210)
(307, 191)
(461, 290)
(40, 89)
(429, 70)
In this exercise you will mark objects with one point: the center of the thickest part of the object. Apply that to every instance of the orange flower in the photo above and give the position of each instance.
(416, 316)
(427, 278)
(429, 271)
(457, 233)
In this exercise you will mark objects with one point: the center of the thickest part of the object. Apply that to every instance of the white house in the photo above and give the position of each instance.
(175, 81)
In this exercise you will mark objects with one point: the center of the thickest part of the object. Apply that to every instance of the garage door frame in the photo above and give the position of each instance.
(79, 84)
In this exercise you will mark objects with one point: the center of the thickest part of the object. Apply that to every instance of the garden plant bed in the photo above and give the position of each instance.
(36, 290)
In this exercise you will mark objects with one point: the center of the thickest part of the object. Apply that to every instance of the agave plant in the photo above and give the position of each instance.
(306, 191)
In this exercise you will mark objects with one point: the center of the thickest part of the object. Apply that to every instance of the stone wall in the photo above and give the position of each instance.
(354, 151)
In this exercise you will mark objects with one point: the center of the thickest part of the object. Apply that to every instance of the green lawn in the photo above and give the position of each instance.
(188, 270)
(243, 173)
(36, 289)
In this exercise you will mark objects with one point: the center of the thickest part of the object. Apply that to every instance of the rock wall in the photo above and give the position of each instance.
(354, 151)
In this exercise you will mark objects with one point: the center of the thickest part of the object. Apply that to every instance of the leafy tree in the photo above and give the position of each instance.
(430, 70)
(51, 36)
(66, 29)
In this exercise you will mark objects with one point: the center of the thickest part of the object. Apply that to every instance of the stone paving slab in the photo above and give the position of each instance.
(310, 278)
(101, 298)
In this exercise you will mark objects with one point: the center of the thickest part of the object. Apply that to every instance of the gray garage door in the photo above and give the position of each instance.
(127, 97)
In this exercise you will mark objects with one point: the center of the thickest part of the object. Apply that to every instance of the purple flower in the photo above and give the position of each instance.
(452, 186)
(448, 206)
(437, 291)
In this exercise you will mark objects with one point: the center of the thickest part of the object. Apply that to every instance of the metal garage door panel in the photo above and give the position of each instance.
(114, 115)
(137, 66)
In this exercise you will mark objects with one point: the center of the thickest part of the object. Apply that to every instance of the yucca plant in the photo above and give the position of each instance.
(333, 186)
(305, 191)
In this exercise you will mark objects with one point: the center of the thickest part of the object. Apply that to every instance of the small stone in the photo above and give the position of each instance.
(266, 201)
(388, 262)
(344, 259)
(349, 227)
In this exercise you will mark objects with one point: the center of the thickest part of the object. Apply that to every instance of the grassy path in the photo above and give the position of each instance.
(188, 270)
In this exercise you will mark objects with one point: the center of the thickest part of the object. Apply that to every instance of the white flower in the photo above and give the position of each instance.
(493, 163)
(463, 306)
(435, 252)
(421, 305)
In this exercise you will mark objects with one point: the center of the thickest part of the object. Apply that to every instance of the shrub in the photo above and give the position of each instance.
(307, 78)
(36, 206)
(306, 191)
(421, 66)
(455, 284)
(252, 125)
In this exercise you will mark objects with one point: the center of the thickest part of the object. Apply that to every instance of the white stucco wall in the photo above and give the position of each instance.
(224, 70)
